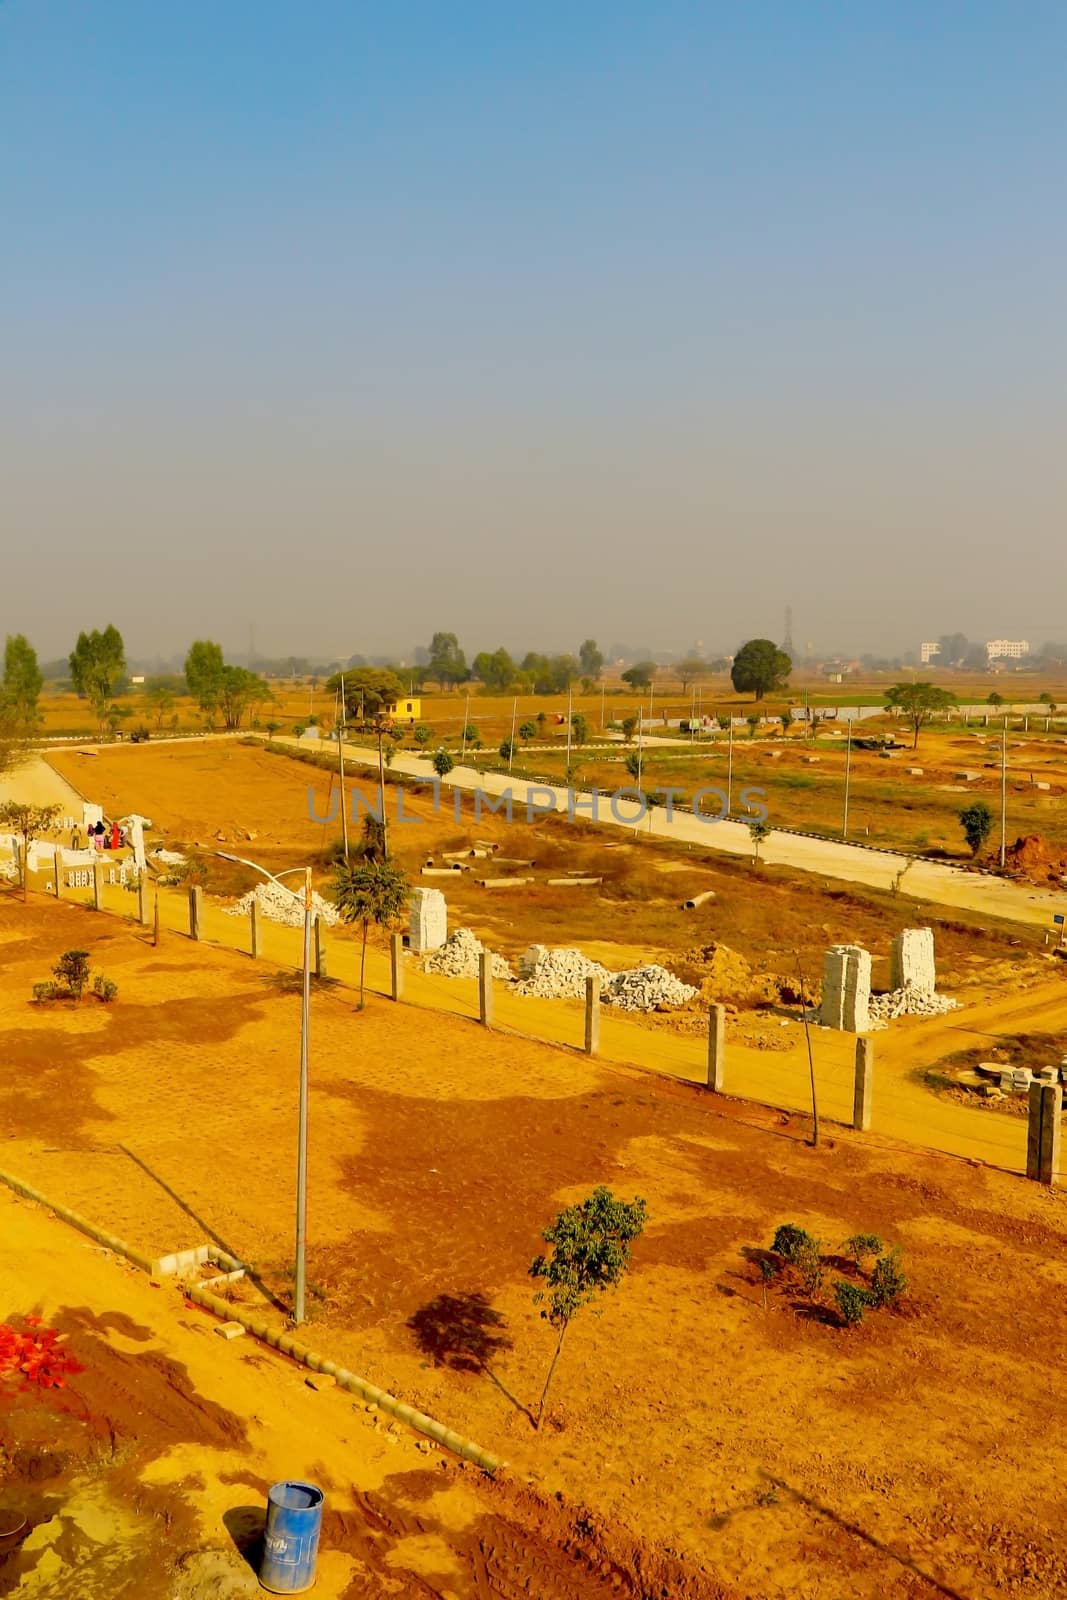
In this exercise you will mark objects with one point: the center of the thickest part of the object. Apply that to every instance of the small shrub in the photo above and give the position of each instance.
(790, 1242)
(46, 991)
(861, 1245)
(852, 1301)
(527, 730)
(104, 988)
(888, 1281)
(72, 972)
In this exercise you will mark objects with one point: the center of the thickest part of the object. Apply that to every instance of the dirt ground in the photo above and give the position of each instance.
(240, 798)
(764, 1452)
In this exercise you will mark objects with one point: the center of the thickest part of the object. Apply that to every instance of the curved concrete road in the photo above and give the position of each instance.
(928, 881)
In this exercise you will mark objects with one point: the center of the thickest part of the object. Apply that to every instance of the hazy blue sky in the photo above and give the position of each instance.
(532, 320)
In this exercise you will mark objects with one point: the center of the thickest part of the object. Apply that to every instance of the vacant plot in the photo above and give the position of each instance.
(769, 1447)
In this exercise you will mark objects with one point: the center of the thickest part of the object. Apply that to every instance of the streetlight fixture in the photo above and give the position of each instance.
(305, 1014)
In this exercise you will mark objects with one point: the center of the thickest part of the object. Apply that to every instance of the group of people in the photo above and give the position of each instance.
(99, 837)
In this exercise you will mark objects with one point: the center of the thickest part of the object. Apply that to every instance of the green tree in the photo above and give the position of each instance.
(495, 669)
(633, 765)
(757, 832)
(370, 892)
(442, 763)
(29, 822)
(161, 700)
(590, 1254)
(527, 730)
(629, 728)
(204, 667)
(580, 727)
(447, 663)
(917, 702)
(422, 735)
(640, 675)
(97, 667)
(507, 750)
(238, 689)
(590, 659)
(760, 668)
(22, 683)
(368, 690)
(976, 820)
(995, 699)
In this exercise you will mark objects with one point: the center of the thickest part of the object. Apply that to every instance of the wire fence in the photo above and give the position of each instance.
(756, 1069)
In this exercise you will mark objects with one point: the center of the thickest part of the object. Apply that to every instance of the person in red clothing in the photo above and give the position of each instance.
(114, 836)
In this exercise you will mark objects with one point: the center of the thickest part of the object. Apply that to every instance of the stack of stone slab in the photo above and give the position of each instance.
(427, 920)
(846, 988)
(911, 961)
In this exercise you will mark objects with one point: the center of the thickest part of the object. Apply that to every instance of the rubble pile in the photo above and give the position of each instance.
(558, 974)
(910, 1002)
(458, 957)
(650, 988)
(280, 905)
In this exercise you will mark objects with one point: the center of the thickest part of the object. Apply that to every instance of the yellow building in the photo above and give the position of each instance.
(408, 711)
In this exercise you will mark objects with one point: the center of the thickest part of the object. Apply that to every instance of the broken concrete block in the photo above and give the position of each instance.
(229, 1330)
(320, 1380)
(428, 919)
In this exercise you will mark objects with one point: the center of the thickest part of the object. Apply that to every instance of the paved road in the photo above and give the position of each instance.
(923, 881)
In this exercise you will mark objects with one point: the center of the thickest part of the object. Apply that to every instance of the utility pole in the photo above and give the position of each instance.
(640, 744)
(302, 1134)
(848, 767)
(570, 724)
(1004, 795)
(466, 712)
(341, 767)
(730, 771)
(511, 746)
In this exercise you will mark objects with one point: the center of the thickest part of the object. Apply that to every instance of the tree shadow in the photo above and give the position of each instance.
(464, 1332)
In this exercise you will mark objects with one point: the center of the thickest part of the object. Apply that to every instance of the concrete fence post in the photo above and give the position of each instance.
(1043, 1133)
(196, 909)
(253, 927)
(98, 873)
(155, 919)
(320, 949)
(716, 1047)
(142, 899)
(485, 988)
(592, 1016)
(396, 966)
(863, 1089)
(59, 873)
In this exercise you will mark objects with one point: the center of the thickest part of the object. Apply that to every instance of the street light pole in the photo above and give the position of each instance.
(1004, 794)
(848, 766)
(305, 1029)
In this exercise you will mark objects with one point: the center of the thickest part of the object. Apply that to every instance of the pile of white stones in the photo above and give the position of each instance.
(458, 957)
(556, 974)
(278, 905)
(650, 988)
(910, 1002)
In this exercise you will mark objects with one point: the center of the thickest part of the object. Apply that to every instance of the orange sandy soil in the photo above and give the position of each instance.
(920, 1454)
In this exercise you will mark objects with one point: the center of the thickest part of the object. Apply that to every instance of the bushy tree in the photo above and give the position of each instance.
(590, 659)
(370, 891)
(527, 730)
(507, 750)
(204, 666)
(590, 1254)
(757, 832)
(760, 668)
(447, 663)
(580, 727)
(495, 669)
(368, 690)
(640, 675)
(976, 820)
(690, 669)
(917, 703)
(97, 667)
(442, 763)
(422, 735)
(22, 684)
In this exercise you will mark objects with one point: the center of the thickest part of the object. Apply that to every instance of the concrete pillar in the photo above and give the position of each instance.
(196, 910)
(716, 1047)
(59, 873)
(396, 964)
(485, 988)
(320, 949)
(253, 927)
(142, 899)
(864, 1086)
(98, 873)
(592, 1016)
(1043, 1133)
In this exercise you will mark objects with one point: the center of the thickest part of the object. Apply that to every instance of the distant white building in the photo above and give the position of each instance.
(1007, 649)
(928, 650)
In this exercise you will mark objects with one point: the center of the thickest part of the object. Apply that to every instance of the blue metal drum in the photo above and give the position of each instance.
(291, 1538)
